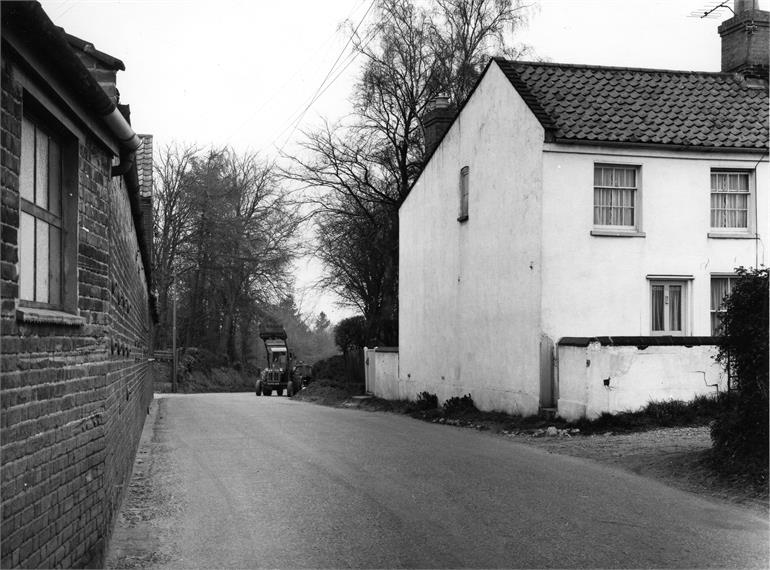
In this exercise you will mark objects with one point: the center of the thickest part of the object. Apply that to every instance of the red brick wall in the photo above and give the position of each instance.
(73, 398)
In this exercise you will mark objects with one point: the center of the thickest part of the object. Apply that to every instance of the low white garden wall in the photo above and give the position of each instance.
(382, 372)
(602, 376)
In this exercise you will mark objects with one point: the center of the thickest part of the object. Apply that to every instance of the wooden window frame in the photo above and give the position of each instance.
(718, 311)
(684, 315)
(750, 193)
(618, 230)
(67, 219)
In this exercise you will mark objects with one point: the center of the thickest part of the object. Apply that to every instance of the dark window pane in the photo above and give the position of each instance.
(54, 265)
(54, 178)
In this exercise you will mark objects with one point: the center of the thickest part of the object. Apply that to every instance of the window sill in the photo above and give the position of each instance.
(48, 317)
(462, 219)
(617, 233)
(724, 235)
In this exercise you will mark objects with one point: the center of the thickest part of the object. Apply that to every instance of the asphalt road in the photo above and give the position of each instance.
(236, 481)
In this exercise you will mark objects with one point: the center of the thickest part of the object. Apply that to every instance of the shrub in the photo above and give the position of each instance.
(457, 406)
(332, 368)
(426, 401)
(740, 431)
(350, 333)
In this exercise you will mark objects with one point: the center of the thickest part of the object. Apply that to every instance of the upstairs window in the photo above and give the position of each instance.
(730, 200)
(721, 287)
(616, 197)
(464, 190)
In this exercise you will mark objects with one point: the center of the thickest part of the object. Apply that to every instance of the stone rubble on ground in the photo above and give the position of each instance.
(551, 431)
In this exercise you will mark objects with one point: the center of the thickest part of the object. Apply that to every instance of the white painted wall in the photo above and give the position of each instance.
(475, 297)
(597, 286)
(636, 377)
(469, 293)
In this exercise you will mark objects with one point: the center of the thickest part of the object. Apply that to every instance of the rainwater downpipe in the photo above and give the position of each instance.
(127, 138)
(757, 237)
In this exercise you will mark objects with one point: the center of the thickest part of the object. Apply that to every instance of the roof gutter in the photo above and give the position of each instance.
(35, 28)
(661, 146)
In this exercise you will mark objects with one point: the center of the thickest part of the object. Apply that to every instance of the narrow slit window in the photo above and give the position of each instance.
(464, 192)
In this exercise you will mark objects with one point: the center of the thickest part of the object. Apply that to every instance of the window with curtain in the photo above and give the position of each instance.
(667, 308)
(615, 196)
(464, 190)
(721, 287)
(40, 223)
(730, 199)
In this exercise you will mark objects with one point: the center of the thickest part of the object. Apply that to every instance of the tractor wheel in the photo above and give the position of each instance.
(290, 389)
(259, 388)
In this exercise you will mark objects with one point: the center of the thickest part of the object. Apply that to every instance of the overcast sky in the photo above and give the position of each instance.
(243, 72)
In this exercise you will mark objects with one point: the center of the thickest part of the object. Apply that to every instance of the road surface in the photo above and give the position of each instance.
(237, 481)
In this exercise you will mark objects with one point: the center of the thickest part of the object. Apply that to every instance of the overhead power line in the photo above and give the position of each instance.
(323, 86)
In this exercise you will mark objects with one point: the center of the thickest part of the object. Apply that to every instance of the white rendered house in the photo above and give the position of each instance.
(571, 236)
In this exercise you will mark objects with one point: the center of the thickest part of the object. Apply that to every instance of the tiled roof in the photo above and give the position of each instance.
(579, 103)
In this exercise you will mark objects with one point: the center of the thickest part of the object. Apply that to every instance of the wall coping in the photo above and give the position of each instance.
(639, 341)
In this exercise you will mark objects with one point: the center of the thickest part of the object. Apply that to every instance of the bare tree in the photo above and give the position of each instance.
(226, 229)
(359, 172)
(171, 222)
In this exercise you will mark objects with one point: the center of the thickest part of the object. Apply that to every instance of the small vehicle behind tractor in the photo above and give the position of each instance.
(278, 373)
(303, 374)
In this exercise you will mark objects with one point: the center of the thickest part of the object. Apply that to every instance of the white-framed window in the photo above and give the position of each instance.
(730, 200)
(668, 307)
(721, 287)
(616, 197)
(463, 193)
(47, 215)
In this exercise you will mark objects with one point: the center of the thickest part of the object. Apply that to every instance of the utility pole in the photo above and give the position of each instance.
(173, 333)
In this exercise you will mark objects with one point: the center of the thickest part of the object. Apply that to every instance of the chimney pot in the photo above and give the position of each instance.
(440, 101)
(744, 5)
(438, 117)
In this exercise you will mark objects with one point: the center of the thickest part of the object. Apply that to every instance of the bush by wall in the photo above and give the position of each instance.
(458, 406)
(332, 368)
(740, 432)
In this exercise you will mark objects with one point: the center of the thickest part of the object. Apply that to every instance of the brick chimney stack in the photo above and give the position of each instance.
(746, 40)
(436, 121)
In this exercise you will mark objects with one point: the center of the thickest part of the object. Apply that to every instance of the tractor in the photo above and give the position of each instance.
(278, 373)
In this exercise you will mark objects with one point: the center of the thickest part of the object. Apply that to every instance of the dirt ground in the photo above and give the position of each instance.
(676, 456)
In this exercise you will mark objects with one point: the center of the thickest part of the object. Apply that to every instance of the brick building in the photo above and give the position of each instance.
(76, 311)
